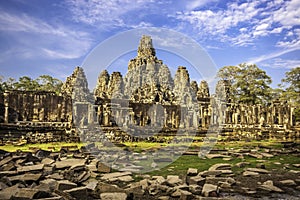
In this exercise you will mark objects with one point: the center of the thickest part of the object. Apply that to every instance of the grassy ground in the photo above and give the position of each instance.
(180, 166)
(55, 146)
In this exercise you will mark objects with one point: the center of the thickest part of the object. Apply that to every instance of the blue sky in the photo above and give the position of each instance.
(53, 36)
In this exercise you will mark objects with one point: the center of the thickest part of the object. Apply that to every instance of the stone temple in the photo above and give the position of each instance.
(147, 100)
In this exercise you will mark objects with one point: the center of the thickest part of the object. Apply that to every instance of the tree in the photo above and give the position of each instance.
(229, 73)
(249, 84)
(25, 83)
(291, 83)
(48, 83)
(8, 84)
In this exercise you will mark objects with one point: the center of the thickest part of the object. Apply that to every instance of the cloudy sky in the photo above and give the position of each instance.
(53, 36)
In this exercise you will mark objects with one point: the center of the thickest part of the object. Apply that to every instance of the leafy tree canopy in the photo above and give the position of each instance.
(291, 83)
(25, 83)
(249, 84)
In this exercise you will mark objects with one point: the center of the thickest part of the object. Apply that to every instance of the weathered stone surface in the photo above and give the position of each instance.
(65, 185)
(296, 165)
(195, 189)
(77, 176)
(76, 86)
(186, 195)
(92, 185)
(113, 176)
(173, 180)
(48, 185)
(103, 168)
(250, 173)
(30, 168)
(220, 166)
(29, 194)
(6, 160)
(113, 196)
(203, 91)
(288, 182)
(196, 180)
(108, 188)
(211, 156)
(267, 155)
(9, 166)
(216, 173)
(210, 190)
(159, 179)
(102, 84)
(47, 161)
(79, 193)
(69, 163)
(125, 178)
(55, 176)
(25, 177)
(268, 186)
(257, 170)
(192, 172)
(8, 192)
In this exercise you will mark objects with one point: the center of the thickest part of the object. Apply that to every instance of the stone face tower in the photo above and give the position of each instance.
(145, 48)
(146, 69)
(76, 86)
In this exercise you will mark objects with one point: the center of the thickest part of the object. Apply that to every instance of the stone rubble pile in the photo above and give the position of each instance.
(77, 174)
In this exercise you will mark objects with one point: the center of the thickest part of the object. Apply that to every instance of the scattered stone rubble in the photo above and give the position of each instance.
(76, 174)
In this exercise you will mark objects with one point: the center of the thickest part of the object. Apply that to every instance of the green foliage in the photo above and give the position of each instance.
(48, 83)
(291, 83)
(7, 85)
(25, 83)
(249, 84)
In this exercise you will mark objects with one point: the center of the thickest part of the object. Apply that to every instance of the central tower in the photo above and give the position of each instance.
(145, 49)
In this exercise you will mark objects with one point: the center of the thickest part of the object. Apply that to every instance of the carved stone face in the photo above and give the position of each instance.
(146, 42)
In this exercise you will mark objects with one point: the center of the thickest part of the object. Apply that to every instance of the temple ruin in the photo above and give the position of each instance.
(147, 98)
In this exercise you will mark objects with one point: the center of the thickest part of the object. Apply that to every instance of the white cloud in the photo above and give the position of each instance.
(242, 23)
(106, 13)
(218, 23)
(271, 55)
(278, 63)
(277, 30)
(288, 14)
(43, 39)
(192, 4)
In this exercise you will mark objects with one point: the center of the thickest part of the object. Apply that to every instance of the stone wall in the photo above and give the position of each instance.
(35, 106)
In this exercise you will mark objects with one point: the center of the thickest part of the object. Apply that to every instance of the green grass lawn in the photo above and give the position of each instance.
(181, 165)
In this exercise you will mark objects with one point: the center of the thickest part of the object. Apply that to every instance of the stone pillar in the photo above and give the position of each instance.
(90, 114)
(6, 106)
(59, 111)
(35, 108)
(195, 120)
(280, 121)
(242, 114)
(41, 114)
(204, 118)
(291, 116)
